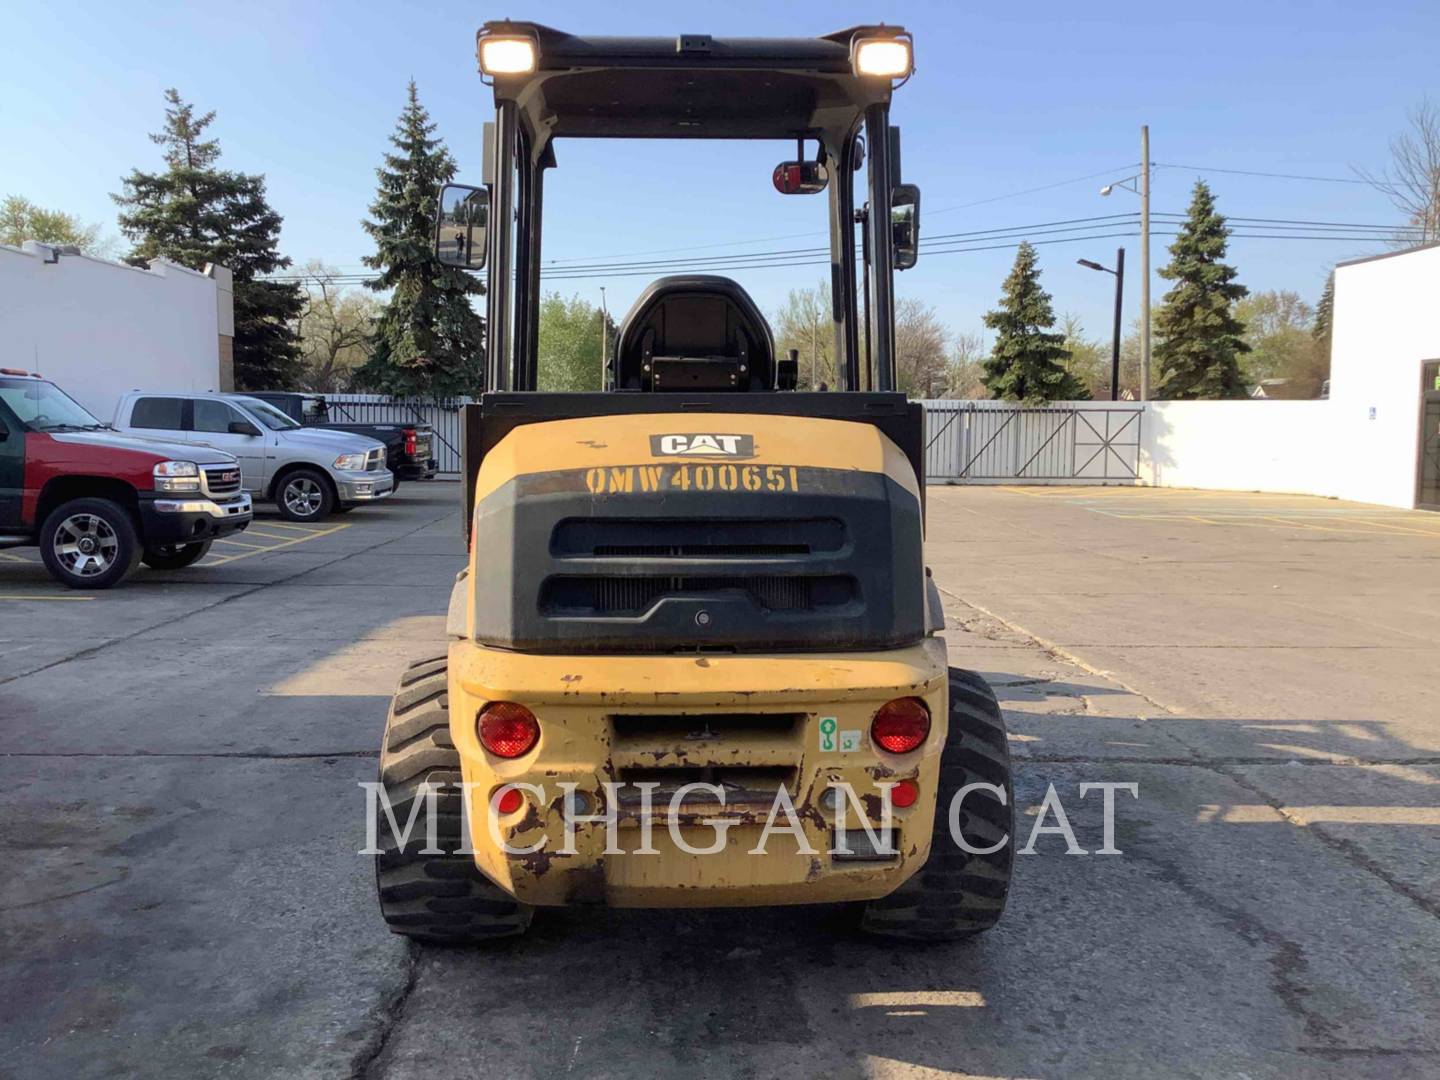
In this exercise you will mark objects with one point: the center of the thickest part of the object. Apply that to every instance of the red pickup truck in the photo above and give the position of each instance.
(97, 502)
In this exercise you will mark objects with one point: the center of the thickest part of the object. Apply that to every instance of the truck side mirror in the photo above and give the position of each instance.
(243, 427)
(800, 177)
(462, 219)
(905, 225)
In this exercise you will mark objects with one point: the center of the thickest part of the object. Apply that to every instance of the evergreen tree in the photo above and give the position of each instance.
(1027, 363)
(1323, 326)
(195, 213)
(1201, 341)
(428, 339)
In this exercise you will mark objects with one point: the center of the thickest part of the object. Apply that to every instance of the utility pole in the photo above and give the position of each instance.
(1144, 263)
(604, 336)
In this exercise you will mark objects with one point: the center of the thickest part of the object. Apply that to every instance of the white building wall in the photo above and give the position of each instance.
(1387, 325)
(99, 328)
(1283, 446)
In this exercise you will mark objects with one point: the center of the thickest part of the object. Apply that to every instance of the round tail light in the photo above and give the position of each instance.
(508, 800)
(508, 730)
(900, 725)
(904, 794)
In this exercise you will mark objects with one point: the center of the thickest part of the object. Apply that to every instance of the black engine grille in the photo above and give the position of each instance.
(592, 594)
(688, 538)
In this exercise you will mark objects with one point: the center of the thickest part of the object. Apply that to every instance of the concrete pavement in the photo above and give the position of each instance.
(180, 813)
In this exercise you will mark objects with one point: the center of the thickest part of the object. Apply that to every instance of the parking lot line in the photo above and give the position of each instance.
(310, 534)
(12, 558)
(24, 596)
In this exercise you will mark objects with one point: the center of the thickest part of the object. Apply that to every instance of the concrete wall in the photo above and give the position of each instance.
(99, 328)
(1387, 325)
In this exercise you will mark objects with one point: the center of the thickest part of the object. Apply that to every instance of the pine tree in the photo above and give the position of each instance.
(1201, 341)
(195, 213)
(428, 339)
(1323, 326)
(1027, 363)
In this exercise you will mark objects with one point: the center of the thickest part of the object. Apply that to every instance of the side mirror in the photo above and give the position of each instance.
(462, 218)
(243, 427)
(801, 177)
(905, 225)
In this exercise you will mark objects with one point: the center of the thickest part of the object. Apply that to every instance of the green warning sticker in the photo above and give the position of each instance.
(849, 742)
(827, 732)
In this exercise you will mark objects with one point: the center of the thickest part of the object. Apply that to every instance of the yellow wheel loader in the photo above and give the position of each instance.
(696, 658)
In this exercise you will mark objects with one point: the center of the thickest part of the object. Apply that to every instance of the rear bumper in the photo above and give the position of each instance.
(172, 520)
(751, 724)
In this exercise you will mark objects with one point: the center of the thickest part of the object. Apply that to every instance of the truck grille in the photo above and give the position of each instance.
(375, 459)
(222, 479)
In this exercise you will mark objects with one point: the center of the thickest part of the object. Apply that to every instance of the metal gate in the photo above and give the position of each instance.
(972, 441)
(443, 415)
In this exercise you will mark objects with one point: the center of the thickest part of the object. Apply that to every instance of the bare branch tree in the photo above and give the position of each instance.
(334, 326)
(1412, 182)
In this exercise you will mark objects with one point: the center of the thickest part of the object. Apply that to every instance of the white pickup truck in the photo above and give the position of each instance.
(307, 472)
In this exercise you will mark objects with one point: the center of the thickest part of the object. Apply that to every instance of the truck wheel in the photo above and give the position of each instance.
(89, 543)
(175, 556)
(304, 495)
(435, 898)
(957, 894)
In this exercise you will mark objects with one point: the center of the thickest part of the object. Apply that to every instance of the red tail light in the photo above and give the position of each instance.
(410, 441)
(900, 725)
(904, 794)
(508, 800)
(508, 730)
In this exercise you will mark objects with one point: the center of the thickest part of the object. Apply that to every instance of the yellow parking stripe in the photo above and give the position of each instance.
(273, 547)
(12, 558)
(241, 543)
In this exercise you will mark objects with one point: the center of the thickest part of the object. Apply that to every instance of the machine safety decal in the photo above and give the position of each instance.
(659, 479)
(700, 445)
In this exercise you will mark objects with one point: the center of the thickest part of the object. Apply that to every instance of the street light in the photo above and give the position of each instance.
(1119, 273)
(1143, 190)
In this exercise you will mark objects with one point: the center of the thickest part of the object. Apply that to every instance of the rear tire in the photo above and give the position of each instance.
(89, 544)
(957, 894)
(175, 556)
(304, 495)
(435, 898)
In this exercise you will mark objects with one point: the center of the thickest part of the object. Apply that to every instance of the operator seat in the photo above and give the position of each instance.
(694, 332)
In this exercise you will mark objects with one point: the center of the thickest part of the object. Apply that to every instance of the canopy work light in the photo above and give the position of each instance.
(883, 57)
(507, 55)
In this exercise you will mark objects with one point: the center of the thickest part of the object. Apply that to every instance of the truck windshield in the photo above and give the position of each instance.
(43, 406)
(267, 414)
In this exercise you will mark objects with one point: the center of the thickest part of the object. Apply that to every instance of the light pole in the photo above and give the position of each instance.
(604, 336)
(1143, 190)
(1119, 273)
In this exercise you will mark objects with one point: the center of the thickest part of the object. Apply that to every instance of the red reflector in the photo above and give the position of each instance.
(410, 441)
(904, 794)
(510, 800)
(508, 730)
(900, 725)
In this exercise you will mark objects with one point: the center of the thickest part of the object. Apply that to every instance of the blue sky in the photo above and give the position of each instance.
(1006, 98)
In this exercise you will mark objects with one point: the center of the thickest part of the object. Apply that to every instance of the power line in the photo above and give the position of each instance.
(1255, 172)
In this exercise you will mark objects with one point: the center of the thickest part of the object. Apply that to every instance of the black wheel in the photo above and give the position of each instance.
(175, 556)
(304, 495)
(957, 894)
(435, 898)
(89, 543)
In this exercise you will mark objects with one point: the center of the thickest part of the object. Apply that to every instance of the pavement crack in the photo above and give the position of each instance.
(367, 1060)
(1346, 847)
(1287, 958)
(1055, 652)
